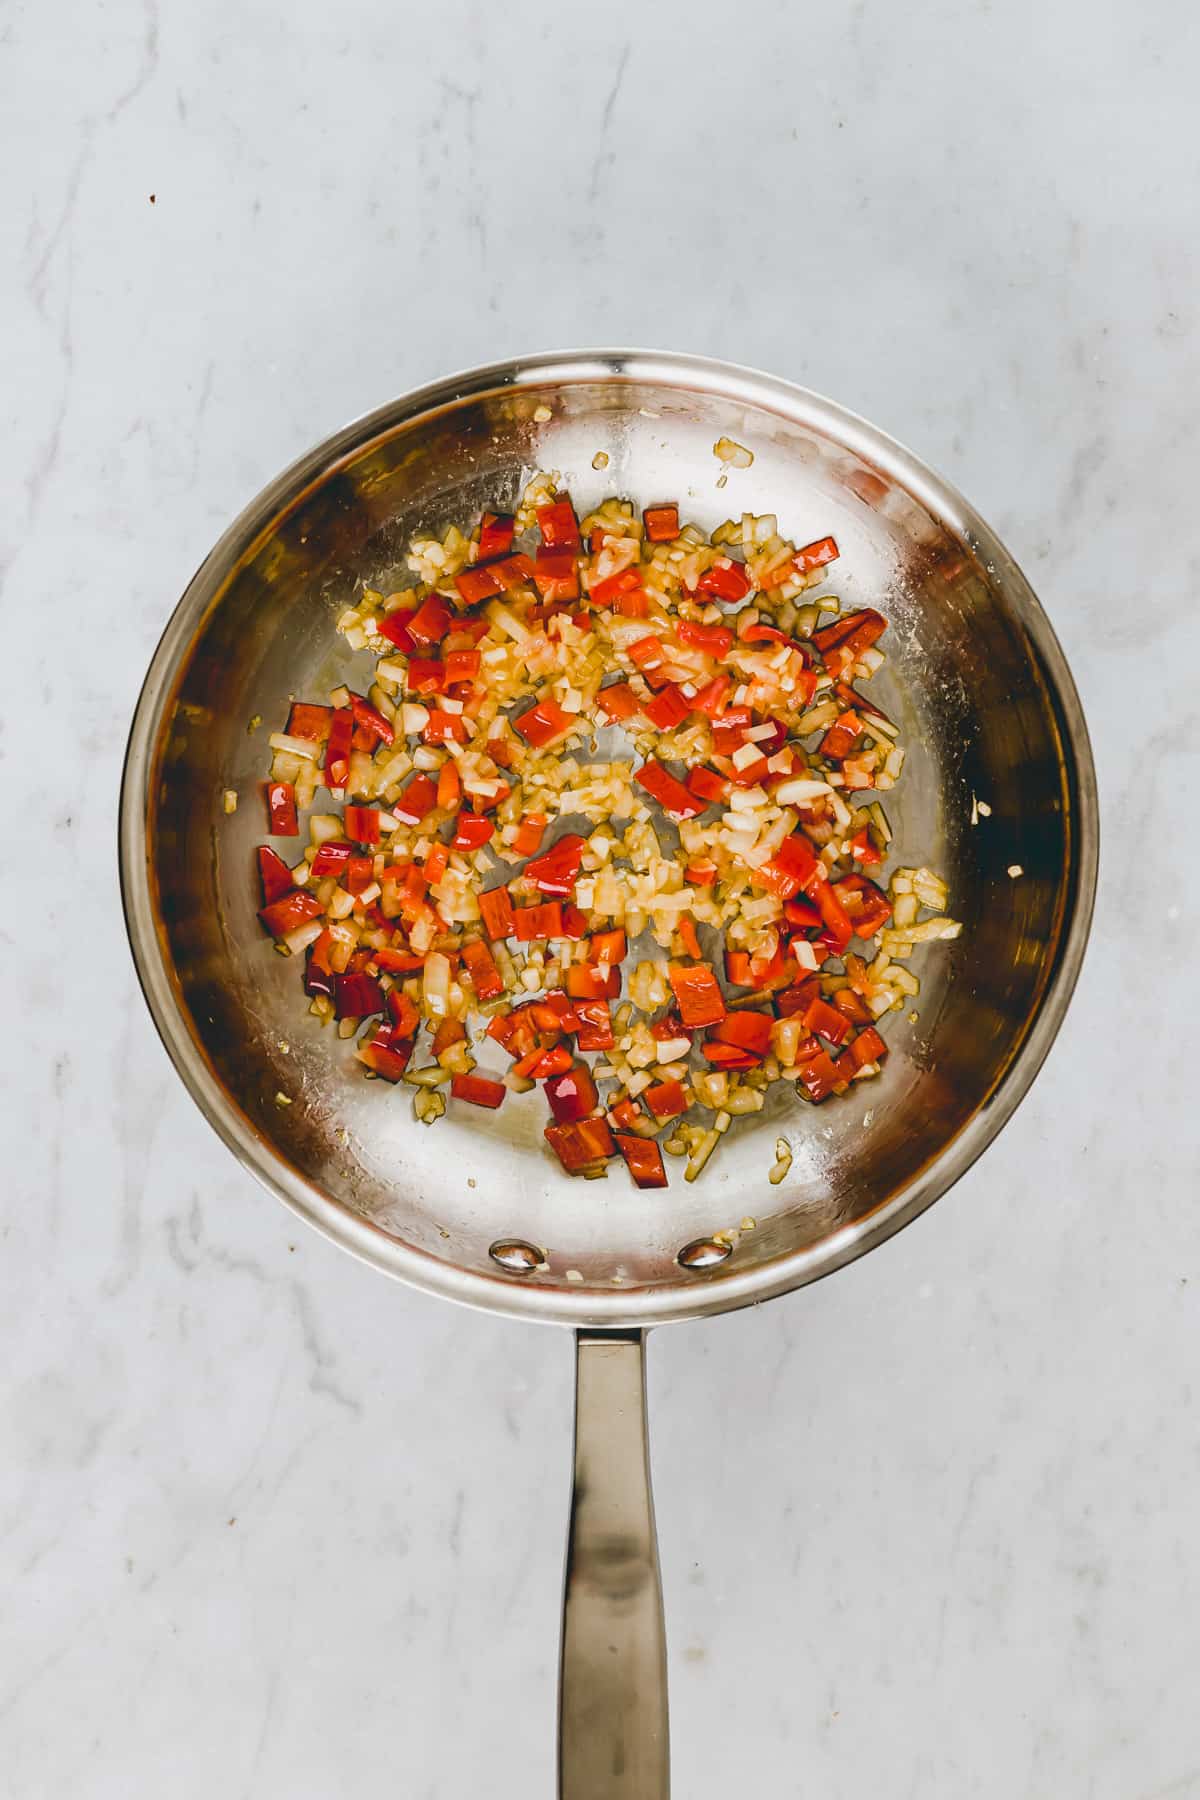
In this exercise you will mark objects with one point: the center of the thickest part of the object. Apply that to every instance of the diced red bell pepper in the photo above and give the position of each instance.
(842, 643)
(755, 632)
(495, 534)
(789, 869)
(444, 727)
(666, 1099)
(801, 915)
(556, 573)
(797, 998)
(838, 925)
(558, 525)
(643, 1159)
(530, 833)
(698, 994)
(853, 1006)
(706, 784)
(661, 522)
(826, 1020)
(626, 1114)
(471, 831)
(578, 1146)
(424, 675)
(357, 996)
(431, 621)
(701, 874)
(748, 1030)
(864, 849)
(726, 581)
(841, 737)
(728, 1056)
(461, 665)
(618, 701)
(544, 723)
(816, 555)
(337, 750)
(687, 937)
(282, 818)
(574, 922)
(819, 1075)
(385, 1054)
(331, 858)
(670, 1026)
(867, 1047)
(496, 911)
(478, 582)
(398, 962)
(417, 801)
(587, 981)
(359, 874)
(711, 697)
(557, 869)
(594, 1030)
(633, 605)
(555, 1059)
(311, 722)
(478, 1090)
(607, 946)
(512, 571)
(866, 906)
(436, 863)
(394, 627)
(362, 824)
(480, 965)
(572, 1095)
(625, 581)
(751, 776)
(668, 709)
(671, 794)
(318, 977)
(449, 785)
(648, 654)
(371, 719)
(717, 640)
(275, 875)
(536, 922)
(449, 1032)
(403, 1012)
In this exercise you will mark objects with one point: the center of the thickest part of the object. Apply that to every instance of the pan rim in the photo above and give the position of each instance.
(696, 1294)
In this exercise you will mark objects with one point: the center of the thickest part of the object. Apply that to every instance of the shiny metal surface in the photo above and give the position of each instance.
(987, 708)
(613, 1676)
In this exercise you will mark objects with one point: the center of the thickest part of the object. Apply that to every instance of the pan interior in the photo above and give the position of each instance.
(986, 713)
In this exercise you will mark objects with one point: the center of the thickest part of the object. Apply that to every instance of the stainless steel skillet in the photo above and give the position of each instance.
(475, 1209)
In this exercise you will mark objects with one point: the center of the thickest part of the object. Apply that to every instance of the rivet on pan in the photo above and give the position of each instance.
(518, 1257)
(705, 1253)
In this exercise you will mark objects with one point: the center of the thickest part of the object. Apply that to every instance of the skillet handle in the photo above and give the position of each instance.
(612, 1712)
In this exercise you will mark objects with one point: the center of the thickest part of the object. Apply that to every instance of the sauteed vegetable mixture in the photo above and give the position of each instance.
(611, 809)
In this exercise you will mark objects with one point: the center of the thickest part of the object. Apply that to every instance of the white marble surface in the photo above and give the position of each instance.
(272, 1527)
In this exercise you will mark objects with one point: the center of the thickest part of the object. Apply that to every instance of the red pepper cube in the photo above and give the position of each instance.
(404, 1015)
(571, 1095)
(671, 794)
(418, 799)
(716, 640)
(431, 621)
(726, 580)
(867, 1047)
(360, 872)
(580, 1145)
(556, 574)
(386, 1055)
(826, 1020)
(841, 737)
(282, 818)
(362, 824)
(337, 750)
(495, 534)
(556, 871)
(311, 722)
(274, 874)
(748, 1030)
(331, 858)
(648, 654)
(558, 525)
(594, 1029)
(789, 869)
(471, 831)
(585, 981)
(816, 555)
(697, 994)
(480, 965)
(544, 724)
(728, 1056)
(711, 698)
(865, 906)
(478, 582)
(661, 522)
(357, 996)
(706, 784)
(607, 946)
(618, 701)
(666, 1099)
(478, 1090)
(605, 592)
(424, 675)
(643, 1159)
(496, 911)
(534, 923)
(462, 665)
(369, 719)
(394, 627)
(669, 708)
